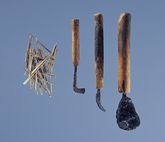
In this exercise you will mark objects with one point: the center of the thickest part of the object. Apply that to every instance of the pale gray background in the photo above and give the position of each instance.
(67, 117)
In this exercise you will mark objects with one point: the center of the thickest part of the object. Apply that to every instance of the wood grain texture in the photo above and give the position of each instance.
(75, 42)
(99, 50)
(124, 53)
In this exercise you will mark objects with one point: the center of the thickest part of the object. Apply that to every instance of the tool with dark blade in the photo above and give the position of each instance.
(99, 57)
(76, 54)
(126, 115)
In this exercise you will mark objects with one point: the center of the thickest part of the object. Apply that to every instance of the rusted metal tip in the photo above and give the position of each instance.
(75, 88)
(98, 100)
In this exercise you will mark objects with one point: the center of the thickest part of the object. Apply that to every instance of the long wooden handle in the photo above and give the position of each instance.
(75, 42)
(124, 53)
(99, 50)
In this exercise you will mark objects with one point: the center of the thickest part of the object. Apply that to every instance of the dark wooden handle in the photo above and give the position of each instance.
(99, 50)
(124, 53)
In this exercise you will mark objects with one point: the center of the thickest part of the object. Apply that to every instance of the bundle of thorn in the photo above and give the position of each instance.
(39, 66)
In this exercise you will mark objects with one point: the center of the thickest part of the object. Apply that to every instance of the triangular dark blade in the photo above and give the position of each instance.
(127, 117)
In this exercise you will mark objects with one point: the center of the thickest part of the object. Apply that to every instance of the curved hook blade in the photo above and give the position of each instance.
(98, 100)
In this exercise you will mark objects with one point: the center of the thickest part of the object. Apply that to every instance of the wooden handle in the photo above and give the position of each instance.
(99, 50)
(75, 42)
(124, 53)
